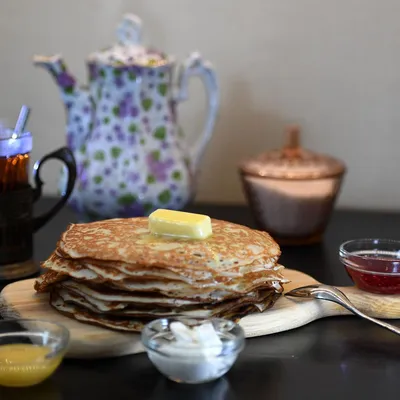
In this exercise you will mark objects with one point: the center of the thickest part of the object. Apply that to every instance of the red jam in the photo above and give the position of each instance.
(376, 273)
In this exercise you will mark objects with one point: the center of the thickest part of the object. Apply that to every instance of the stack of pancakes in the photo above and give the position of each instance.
(115, 274)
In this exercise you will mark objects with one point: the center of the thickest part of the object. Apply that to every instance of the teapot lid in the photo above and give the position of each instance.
(293, 162)
(129, 51)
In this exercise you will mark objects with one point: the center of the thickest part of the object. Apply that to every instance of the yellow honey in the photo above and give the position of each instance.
(26, 364)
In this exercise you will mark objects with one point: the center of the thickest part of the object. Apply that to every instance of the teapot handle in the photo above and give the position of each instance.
(194, 65)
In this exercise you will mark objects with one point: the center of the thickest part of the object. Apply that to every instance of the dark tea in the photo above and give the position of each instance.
(14, 172)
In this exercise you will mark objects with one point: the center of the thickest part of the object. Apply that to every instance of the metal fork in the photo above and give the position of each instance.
(330, 293)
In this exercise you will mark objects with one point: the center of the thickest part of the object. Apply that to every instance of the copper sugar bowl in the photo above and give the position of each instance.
(292, 191)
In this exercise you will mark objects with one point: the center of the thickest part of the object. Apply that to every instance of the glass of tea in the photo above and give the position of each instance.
(17, 196)
(14, 161)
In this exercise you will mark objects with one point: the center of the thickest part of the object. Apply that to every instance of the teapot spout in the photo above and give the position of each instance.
(77, 100)
(58, 69)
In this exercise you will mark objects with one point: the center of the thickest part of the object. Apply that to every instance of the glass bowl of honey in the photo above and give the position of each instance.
(30, 351)
(373, 264)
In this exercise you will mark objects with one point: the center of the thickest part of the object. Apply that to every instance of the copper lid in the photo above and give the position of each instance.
(293, 162)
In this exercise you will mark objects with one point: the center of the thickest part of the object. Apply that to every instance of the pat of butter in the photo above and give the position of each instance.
(180, 224)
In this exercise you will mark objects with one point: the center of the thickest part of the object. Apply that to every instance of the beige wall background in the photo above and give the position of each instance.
(332, 66)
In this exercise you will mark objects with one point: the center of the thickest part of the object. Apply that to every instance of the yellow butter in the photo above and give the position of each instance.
(180, 224)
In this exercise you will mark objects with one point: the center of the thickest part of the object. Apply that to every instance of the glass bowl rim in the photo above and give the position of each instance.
(344, 254)
(238, 341)
(63, 336)
(10, 131)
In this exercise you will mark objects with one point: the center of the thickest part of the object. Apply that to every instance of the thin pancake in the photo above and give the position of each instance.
(112, 278)
(82, 315)
(261, 298)
(133, 270)
(185, 274)
(108, 294)
(129, 240)
(119, 323)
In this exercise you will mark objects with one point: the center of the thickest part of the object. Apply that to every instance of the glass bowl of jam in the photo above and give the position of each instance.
(373, 264)
(30, 351)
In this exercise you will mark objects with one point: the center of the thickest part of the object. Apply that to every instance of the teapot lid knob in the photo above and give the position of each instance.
(128, 51)
(292, 147)
(129, 31)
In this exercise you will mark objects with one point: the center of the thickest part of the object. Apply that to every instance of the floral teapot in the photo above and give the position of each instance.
(131, 155)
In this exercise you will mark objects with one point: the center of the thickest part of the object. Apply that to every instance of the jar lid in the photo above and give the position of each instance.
(129, 51)
(293, 162)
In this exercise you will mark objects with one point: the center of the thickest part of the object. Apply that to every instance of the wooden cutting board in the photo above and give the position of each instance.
(19, 300)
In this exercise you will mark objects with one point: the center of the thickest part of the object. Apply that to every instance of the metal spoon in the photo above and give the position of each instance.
(21, 121)
(330, 293)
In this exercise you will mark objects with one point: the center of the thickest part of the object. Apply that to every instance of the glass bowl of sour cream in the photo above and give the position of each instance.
(193, 350)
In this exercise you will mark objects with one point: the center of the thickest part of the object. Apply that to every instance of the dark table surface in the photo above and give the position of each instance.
(335, 358)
